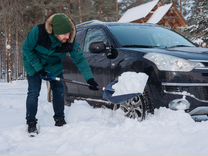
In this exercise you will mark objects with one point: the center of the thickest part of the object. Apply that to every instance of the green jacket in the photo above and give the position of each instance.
(37, 57)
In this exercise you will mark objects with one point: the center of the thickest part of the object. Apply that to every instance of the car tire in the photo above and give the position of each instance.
(148, 100)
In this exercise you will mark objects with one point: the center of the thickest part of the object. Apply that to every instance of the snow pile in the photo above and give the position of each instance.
(97, 132)
(199, 41)
(130, 82)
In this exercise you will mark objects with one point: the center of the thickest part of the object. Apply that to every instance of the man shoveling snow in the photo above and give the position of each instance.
(44, 50)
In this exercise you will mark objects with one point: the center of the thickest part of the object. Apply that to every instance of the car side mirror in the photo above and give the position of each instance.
(100, 47)
(97, 47)
(111, 53)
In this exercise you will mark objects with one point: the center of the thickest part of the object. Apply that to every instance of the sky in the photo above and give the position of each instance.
(95, 132)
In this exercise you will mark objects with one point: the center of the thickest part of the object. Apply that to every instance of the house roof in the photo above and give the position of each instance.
(159, 13)
(138, 12)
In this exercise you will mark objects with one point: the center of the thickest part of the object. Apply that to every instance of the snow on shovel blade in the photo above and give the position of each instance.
(119, 99)
(122, 90)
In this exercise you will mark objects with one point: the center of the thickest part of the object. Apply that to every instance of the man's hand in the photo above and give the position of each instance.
(93, 84)
(44, 75)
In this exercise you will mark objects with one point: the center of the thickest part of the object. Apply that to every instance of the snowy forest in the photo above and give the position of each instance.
(18, 16)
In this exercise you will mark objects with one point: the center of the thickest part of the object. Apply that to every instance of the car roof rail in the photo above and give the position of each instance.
(88, 22)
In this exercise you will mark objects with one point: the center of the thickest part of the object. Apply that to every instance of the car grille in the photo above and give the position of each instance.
(204, 62)
(201, 92)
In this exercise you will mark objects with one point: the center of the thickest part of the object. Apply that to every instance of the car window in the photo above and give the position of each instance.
(78, 37)
(149, 36)
(94, 35)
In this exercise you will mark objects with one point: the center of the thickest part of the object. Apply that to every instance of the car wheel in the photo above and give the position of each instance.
(135, 108)
(149, 105)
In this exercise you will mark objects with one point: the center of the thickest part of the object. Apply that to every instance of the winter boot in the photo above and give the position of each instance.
(32, 127)
(60, 122)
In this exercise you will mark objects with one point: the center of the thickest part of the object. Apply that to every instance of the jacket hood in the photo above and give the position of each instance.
(49, 27)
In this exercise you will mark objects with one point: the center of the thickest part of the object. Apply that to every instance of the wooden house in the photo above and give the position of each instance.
(156, 13)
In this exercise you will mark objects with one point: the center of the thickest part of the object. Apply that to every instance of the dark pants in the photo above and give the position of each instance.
(34, 86)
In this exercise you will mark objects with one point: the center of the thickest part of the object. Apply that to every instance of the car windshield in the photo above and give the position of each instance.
(148, 37)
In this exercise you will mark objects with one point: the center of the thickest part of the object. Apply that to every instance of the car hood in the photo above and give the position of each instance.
(194, 53)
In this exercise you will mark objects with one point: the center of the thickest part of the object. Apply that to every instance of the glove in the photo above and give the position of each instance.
(44, 75)
(93, 84)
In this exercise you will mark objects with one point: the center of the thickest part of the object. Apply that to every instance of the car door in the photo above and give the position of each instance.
(71, 71)
(99, 63)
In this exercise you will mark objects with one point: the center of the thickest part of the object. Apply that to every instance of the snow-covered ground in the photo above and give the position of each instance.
(96, 132)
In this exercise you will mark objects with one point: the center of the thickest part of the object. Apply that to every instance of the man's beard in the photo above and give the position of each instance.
(64, 40)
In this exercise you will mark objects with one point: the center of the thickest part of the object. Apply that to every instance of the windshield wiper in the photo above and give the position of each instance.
(139, 46)
(179, 46)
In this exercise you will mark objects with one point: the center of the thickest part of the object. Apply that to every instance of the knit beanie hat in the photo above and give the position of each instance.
(61, 24)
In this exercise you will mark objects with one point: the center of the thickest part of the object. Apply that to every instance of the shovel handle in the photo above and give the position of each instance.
(79, 83)
(70, 81)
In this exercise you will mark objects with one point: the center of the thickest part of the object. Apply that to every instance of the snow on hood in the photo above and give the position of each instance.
(182, 52)
(130, 82)
(190, 49)
(179, 49)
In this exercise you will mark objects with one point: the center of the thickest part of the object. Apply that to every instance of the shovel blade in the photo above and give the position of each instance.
(120, 99)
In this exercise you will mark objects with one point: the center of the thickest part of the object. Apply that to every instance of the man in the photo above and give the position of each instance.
(43, 52)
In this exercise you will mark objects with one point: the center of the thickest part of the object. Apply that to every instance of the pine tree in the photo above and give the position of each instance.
(197, 19)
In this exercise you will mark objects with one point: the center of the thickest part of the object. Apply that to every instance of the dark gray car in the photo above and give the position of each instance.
(177, 69)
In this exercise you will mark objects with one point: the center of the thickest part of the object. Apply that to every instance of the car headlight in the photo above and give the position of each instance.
(171, 63)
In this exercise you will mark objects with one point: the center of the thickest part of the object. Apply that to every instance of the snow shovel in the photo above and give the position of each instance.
(107, 91)
(119, 99)
(133, 105)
